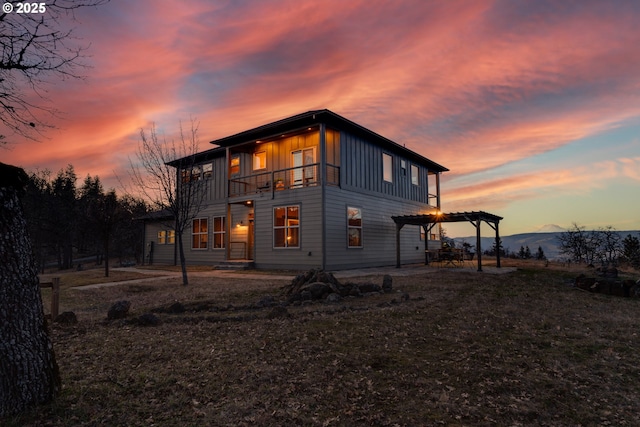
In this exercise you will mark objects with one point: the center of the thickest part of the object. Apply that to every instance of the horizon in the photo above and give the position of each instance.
(533, 106)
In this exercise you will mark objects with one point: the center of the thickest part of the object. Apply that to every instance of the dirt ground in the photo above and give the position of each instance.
(446, 347)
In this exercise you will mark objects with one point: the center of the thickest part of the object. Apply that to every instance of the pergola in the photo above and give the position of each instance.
(428, 221)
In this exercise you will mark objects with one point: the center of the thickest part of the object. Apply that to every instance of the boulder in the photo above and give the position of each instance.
(148, 319)
(119, 310)
(66, 318)
(279, 313)
(387, 284)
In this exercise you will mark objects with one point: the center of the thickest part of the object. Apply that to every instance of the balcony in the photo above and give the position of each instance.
(283, 179)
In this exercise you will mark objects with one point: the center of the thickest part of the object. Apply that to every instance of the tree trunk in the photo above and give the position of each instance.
(183, 261)
(28, 370)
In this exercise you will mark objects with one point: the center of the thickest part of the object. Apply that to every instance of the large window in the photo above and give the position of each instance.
(162, 237)
(286, 227)
(387, 167)
(354, 227)
(171, 237)
(219, 230)
(200, 233)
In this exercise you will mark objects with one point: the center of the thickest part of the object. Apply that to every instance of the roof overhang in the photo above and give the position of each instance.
(331, 119)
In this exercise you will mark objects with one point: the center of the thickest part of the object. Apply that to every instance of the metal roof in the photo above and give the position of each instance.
(331, 119)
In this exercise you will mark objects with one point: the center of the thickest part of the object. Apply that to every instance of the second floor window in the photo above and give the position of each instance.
(387, 167)
(415, 175)
(200, 233)
(259, 160)
(234, 165)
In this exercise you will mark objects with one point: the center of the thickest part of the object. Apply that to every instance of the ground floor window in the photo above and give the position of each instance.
(286, 227)
(354, 227)
(219, 230)
(200, 233)
(162, 237)
(171, 237)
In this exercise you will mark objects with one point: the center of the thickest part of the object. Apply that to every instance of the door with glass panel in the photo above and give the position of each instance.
(304, 167)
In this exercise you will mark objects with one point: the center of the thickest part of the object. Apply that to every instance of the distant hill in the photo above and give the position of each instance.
(547, 241)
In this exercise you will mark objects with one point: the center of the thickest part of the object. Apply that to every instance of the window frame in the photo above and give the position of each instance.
(261, 157)
(288, 227)
(354, 227)
(162, 237)
(171, 237)
(219, 234)
(203, 244)
(207, 170)
(415, 178)
(387, 168)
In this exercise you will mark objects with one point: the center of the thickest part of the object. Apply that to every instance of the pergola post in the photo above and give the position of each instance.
(478, 244)
(497, 246)
(398, 228)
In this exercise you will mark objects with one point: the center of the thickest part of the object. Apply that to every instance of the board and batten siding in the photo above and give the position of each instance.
(309, 254)
(208, 256)
(362, 170)
(162, 253)
(378, 231)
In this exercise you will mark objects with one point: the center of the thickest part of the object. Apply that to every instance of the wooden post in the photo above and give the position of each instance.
(478, 245)
(498, 247)
(398, 228)
(55, 297)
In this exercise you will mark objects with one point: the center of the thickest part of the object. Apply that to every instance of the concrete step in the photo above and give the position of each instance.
(235, 265)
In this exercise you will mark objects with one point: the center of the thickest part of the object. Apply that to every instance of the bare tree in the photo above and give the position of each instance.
(167, 176)
(34, 48)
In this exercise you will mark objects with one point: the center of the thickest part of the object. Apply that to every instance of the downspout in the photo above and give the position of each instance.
(323, 185)
(227, 222)
(175, 223)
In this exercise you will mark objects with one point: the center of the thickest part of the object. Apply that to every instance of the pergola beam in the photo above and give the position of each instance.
(428, 221)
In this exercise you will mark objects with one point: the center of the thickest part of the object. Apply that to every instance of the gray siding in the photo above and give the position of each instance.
(309, 254)
(209, 256)
(162, 253)
(362, 171)
(378, 231)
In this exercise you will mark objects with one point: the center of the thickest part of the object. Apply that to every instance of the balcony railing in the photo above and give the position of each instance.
(283, 179)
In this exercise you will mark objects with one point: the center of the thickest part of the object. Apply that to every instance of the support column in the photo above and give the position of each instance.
(498, 247)
(398, 228)
(478, 245)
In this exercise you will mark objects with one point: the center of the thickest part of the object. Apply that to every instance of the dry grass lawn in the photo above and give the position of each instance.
(463, 349)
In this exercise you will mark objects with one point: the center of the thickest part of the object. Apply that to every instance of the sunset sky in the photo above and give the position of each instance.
(534, 106)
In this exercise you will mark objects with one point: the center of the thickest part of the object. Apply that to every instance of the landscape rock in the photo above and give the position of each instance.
(279, 313)
(333, 297)
(387, 284)
(66, 318)
(118, 310)
(267, 301)
(316, 284)
(176, 308)
(148, 319)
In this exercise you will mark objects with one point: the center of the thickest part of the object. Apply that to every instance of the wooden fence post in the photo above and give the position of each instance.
(55, 297)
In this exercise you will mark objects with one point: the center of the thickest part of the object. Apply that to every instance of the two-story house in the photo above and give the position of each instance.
(312, 190)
